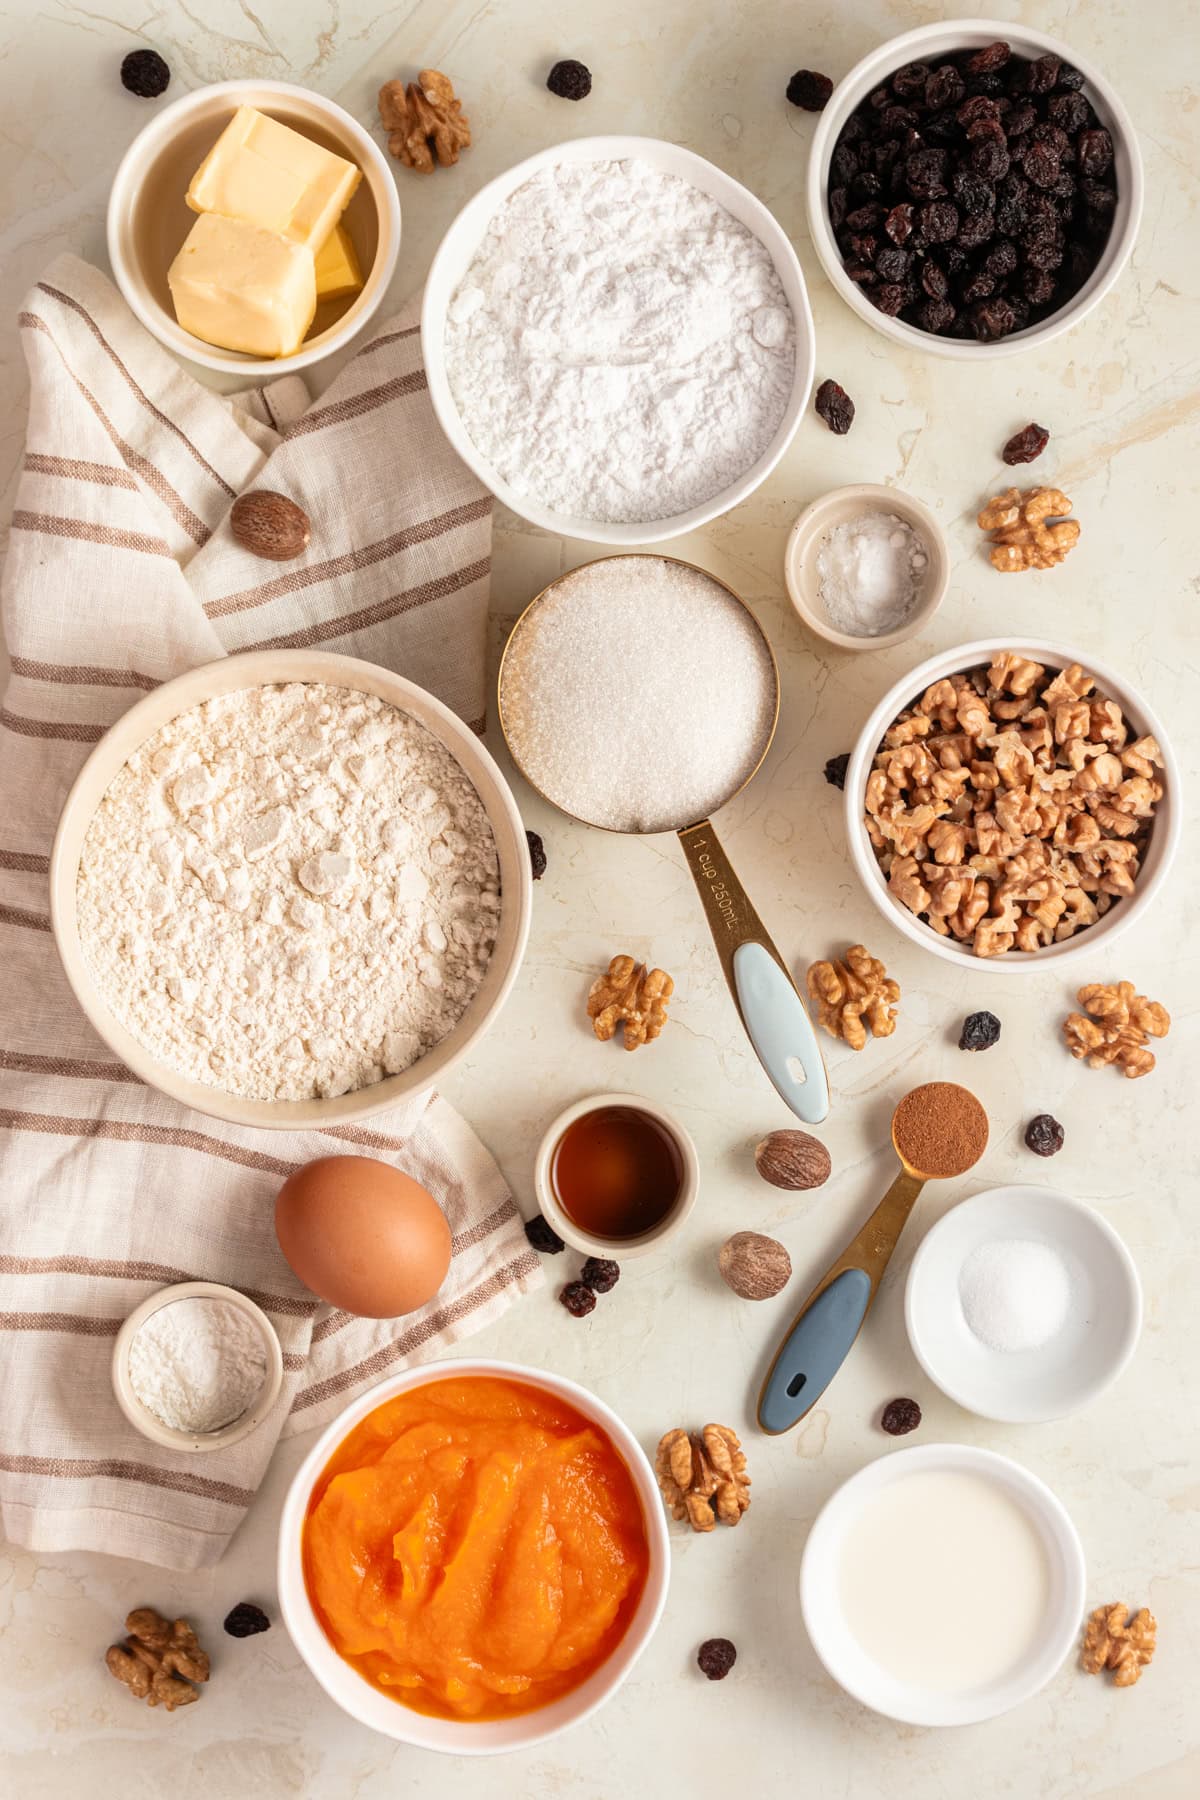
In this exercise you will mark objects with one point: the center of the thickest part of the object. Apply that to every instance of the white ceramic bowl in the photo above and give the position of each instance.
(839, 507)
(256, 668)
(148, 217)
(365, 1703)
(1024, 1387)
(626, 1247)
(148, 1423)
(927, 43)
(1160, 851)
(463, 239)
(857, 1672)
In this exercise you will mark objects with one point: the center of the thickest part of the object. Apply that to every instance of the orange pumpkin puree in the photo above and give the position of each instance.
(475, 1548)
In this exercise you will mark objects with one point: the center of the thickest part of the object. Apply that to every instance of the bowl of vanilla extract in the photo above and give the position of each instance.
(616, 1172)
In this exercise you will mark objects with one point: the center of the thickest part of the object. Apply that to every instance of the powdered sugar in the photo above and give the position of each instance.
(197, 1364)
(871, 571)
(621, 347)
(289, 892)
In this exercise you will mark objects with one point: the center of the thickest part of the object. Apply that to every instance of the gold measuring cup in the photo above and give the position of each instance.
(823, 1332)
(767, 999)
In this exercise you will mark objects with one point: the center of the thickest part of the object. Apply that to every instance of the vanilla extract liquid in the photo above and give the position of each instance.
(616, 1172)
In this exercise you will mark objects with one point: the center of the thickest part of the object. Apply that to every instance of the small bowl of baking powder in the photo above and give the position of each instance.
(197, 1366)
(866, 566)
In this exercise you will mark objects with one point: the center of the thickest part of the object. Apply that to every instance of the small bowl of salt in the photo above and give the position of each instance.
(866, 566)
(197, 1366)
(1023, 1305)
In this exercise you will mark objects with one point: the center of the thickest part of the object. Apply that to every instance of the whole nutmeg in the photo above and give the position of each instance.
(754, 1266)
(270, 525)
(792, 1159)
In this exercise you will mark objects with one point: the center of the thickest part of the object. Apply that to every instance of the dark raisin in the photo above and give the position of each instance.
(1042, 74)
(1001, 259)
(854, 130)
(897, 119)
(990, 158)
(1056, 139)
(890, 297)
(865, 218)
(1042, 165)
(542, 1236)
(1044, 248)
(978, 108)
(992, 319)
(899, 1417)
(837, 207)
(979, 286)
(600, 1274)
(893, 263)
(843, 164)
(953, 258)
(835, 769)
(936, 315)
(570, 80)
(984, 130)
(865, 186)
(246, 1620)
(977, 229)
(980, 1031)
(1095, 153)
(716, 1656)
(835, 406)
(1044, 1135)
(909, 82)
(1011, 212)
(1020, 119)
(1027, 445)
(1099, 200)
(938, 221)
(941, 127)
(878, 98)
(1069, 112)
(899, 222)
(1038, 285)
(884, 156)
(537, 854)
(991, 57)
(945, 87)
(861, 272)
(925, 173)
(863, 247)
(934, 280)
(809, 90)
(972, 192)
(578, 1299)
(990, 82)
(145, 74)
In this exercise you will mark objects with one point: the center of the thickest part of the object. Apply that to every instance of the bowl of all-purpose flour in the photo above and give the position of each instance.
(290, 888)
(617, 339)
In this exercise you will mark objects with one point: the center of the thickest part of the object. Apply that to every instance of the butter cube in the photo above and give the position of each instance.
(338, 273)
(270, 175)
(241, 287)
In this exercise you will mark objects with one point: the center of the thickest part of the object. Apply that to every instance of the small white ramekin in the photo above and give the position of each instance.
(148, 1423)
(859, 1674)
(839, 507)
(294, 106)
(921, 45)
(463, 239)
(566, 1227)
(463, 1737)
(1160, 852)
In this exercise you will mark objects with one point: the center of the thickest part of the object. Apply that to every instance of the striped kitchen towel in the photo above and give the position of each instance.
(122, 572)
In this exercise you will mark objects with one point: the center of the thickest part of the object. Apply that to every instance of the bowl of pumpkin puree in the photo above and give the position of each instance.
(473, 1556)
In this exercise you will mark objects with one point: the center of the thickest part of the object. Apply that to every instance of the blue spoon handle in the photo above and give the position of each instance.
(814, 1350)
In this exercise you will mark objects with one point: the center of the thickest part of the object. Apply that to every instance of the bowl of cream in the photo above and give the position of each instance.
(942, 1585)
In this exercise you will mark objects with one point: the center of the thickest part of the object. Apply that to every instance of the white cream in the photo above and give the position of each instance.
(944, 1581)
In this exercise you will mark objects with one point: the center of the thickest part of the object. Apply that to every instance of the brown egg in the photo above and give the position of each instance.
(362, 1235)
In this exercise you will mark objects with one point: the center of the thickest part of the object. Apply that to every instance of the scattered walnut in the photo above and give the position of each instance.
(1121, 1024)
(1112, 1640)
(1029, 530)
(425, 123)
(703, 1476)
(854, 995)
(159, 1660)
(632, 996)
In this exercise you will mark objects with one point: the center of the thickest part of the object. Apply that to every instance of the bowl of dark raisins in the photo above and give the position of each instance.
(974, 189)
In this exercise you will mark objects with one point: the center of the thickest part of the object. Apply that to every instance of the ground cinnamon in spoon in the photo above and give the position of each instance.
(940, 1129)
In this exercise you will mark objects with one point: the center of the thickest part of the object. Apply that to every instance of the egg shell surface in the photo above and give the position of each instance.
(363, 1236)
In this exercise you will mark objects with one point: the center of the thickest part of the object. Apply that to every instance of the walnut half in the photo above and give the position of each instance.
(1119, 1028)
(702, 1475)
(1112, 1640)
(632, 996)
(854, 995)
(425, 122)
(159, 1660)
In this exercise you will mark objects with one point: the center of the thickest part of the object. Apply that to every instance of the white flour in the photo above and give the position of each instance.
(197, 1364)
(289, 891)
(620, 348)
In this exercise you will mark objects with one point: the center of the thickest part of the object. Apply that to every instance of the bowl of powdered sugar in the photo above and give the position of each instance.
(290, 888)
(197, 1366)
(617, 339)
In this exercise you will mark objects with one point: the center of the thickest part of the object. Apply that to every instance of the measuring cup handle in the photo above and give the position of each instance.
(767, 998)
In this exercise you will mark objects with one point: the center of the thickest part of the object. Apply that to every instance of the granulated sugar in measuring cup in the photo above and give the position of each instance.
(638, 693)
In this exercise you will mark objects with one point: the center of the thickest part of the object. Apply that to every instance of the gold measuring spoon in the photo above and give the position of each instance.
(938, 1130)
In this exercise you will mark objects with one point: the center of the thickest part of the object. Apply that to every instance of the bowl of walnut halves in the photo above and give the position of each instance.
(1014, 801)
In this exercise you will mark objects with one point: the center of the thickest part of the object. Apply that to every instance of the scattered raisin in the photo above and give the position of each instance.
(542, 1236)
(145, 73)
(537, 854)
(835, 406)
(1044, 1135)
(600, 1274)
(246, 1619)
(1027, 445)
(985, 61)
(809, 89)
(899, 1417)
(835, 769)
(716, 1656)
(980, 1031)
(570, 80)
(578, 1299)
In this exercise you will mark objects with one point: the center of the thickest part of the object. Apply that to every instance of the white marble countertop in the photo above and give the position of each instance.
(671, 1346)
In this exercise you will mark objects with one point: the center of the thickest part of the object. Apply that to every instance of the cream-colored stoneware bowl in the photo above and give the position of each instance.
(260, 668)
(564, 1224)
(839, 507)
(148, 217)
(461, 1737)
(1164, 833)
